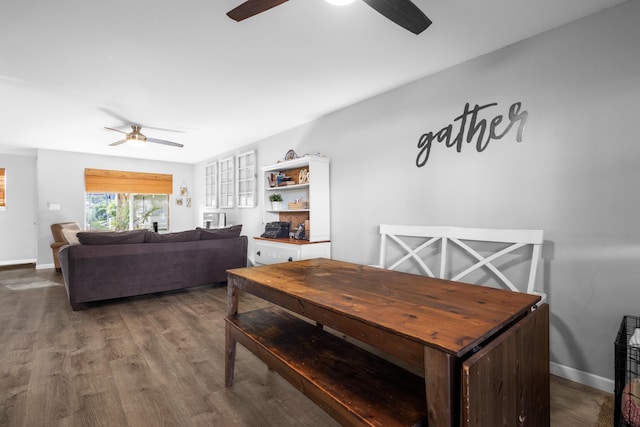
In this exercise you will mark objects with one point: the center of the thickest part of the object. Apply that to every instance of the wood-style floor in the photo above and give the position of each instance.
(156, 360)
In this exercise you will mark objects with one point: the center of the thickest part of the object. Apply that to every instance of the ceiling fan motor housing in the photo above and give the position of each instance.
(135, 138)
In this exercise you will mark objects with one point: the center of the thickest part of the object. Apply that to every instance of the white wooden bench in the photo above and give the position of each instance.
(474, 255)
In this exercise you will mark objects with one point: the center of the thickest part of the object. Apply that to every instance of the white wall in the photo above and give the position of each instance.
(575, 174)
(61, 181)
(18, 223)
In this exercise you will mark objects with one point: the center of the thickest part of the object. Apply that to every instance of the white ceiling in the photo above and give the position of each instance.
(184, 65)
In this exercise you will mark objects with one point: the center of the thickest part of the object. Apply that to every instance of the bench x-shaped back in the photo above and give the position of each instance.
(459, 236)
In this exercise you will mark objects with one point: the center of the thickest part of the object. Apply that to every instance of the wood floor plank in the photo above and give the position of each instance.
(156, 360)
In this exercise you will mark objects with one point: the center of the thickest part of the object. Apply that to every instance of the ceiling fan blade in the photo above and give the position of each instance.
(162, 141)
(116, 115)
(117, 143)
(117, 130)
(252, 7)
(402, 12)
(162, 129)
(128, 123)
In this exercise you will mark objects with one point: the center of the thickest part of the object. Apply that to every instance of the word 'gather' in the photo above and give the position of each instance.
(471, 128)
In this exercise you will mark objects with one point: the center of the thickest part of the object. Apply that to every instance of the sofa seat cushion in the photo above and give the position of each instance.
(220, 233)
(180, 236)
(111, 237)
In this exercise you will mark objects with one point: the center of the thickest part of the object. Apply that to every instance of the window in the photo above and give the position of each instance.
(119, 201)
(211, 185)
(246, 179)
(150, 208)
(3, 202)
(226, 182)
(126, 211)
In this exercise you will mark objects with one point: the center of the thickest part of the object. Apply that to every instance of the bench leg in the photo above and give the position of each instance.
(230, 352)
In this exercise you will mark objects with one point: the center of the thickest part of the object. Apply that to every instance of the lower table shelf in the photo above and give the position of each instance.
(352, 385)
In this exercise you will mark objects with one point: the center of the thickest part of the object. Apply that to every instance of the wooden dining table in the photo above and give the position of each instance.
(456, 353)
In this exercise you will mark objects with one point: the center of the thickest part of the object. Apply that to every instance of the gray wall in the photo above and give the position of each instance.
(18, 223)
(61, 180)
(575, 174)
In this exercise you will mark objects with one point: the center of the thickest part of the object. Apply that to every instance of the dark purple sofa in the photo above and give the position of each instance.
(122, 264)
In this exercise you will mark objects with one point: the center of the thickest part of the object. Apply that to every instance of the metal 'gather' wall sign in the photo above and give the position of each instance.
(472, 129)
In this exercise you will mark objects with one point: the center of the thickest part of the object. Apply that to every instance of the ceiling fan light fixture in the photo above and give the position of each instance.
(136, 140)
(340, 2)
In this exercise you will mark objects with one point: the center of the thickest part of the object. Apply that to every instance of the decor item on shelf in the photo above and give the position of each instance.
(303, 176)
(276, 199)
(299, 233)
(273, 179)
(290, 155)
(283, 180)
(276, 230)
(296, 204)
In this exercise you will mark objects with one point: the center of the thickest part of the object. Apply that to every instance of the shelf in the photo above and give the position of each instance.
(299, 162)
(287, 187)
(352, 385)
(314, 195)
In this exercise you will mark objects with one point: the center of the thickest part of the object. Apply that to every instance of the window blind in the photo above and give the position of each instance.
(2, 199)
(102, 180)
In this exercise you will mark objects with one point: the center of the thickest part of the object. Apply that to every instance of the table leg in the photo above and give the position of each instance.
(230, 355)
(230, 339)
(442, 377)
(232, 297)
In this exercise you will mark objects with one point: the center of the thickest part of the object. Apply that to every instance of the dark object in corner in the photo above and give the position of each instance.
(276, 230)
(300, 232)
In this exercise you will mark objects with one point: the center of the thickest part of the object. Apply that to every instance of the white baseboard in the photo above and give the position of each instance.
(18, 262)
(45, 266)
(601, 383)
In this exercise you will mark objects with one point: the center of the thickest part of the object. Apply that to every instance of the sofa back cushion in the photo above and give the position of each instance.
(220, 233)
(180, 236)
(71, 236)
(111, 237)
(57, 230)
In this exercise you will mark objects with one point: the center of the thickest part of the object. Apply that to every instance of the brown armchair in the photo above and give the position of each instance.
(59, 239)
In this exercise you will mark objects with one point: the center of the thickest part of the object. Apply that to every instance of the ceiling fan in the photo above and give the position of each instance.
(137, 139)
(402, 12)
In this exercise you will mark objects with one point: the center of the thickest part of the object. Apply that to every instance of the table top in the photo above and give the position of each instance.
(451, 316)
